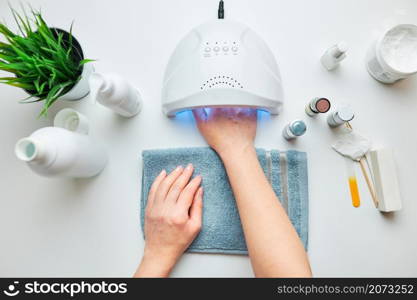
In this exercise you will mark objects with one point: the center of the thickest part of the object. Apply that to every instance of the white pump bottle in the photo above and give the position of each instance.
(58, 152)
(116, 93)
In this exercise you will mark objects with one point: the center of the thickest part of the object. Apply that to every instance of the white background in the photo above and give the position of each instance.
(57, 227)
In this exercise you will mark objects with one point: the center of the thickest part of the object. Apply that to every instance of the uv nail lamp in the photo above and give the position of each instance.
(222, 64)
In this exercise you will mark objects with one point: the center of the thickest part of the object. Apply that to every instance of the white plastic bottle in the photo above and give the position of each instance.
(58, 152)
(333, 56)
(116, 93)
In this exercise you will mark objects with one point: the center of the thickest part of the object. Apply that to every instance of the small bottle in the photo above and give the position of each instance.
(339, 117)
(318, 106)
(59, 152)
(116, 93)
(334, 55)
(294, 129)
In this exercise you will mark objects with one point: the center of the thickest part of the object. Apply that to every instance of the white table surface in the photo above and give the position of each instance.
(58, 227)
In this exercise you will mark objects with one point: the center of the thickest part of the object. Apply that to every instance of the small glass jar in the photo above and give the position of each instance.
(340, 116)
(294, 129)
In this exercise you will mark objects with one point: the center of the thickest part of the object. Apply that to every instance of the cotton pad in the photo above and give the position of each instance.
(352, 145)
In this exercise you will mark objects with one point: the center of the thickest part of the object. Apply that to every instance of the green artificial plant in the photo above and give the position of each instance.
(43, 62)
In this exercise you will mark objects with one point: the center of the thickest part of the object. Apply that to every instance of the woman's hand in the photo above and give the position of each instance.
(172, 221)
(227, 130)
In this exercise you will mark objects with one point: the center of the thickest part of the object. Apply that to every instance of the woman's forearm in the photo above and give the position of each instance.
(153, 267)
(274, 247)
(273, 244)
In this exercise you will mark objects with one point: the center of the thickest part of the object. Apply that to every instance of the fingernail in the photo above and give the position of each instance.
(189, 167)
(179, 168)
(163, 172)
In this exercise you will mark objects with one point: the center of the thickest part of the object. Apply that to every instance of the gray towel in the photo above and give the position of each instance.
(222, 230)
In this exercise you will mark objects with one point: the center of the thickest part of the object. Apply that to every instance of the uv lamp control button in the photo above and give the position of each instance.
(207, 49)
(225, 48)
(216, 49)
(234, 49)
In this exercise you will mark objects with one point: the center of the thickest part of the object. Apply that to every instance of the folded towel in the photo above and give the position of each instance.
(222, 230)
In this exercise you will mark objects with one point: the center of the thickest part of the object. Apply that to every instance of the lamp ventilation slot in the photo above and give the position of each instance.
(221, 81)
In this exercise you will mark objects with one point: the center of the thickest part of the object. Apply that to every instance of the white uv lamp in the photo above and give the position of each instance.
(222, 64)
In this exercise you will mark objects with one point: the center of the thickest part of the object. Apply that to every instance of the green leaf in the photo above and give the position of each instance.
(85, 61)
(7, 78)
(20, 85)
(42, 87)
(6, 31)
(37, 85)
(26, 101)
(23, 25)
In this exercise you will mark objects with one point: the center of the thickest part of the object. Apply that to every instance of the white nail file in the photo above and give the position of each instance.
(386, 181)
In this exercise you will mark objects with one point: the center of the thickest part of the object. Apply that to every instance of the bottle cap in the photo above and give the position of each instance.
(345, 113)
(342, 46)
(298, 127)
(72, 120)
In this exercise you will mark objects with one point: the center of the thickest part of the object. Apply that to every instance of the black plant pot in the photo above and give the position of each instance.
(80, 89)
